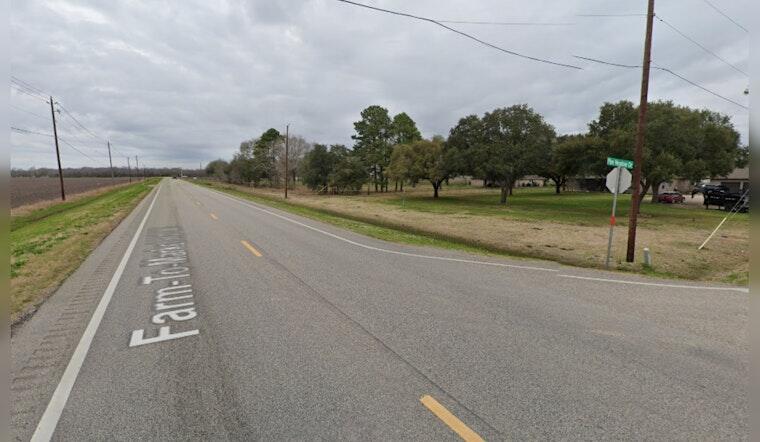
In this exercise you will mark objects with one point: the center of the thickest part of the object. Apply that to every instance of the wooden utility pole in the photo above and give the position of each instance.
(137, 166)
(57, 150)
(129, 170)
(110, 161)
(287, 136)
(638, 155)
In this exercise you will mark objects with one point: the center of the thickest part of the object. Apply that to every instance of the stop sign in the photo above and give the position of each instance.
(625, 179)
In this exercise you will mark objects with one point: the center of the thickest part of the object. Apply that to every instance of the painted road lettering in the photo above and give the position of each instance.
(172, 292)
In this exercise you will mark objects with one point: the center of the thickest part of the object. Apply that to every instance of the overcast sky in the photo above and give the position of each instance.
(183, 82)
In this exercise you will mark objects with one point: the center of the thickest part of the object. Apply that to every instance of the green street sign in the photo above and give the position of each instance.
(619, 162)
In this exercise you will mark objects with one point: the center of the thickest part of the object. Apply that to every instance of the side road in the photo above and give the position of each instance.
(567, 229)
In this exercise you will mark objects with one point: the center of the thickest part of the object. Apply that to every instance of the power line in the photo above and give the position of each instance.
(69, 126)
(700, 86)
(29, 85)
(32, 132)
(25, 92)
(27, 131)
(608, 62)
(91, 133)
(26, 88)
(629, 66)
(438, 23)
(29, 89)
(699, 45)
(504, 23)
(74, 134)
(610, 15)
(76, 149)
(726, 15)
(28, 112)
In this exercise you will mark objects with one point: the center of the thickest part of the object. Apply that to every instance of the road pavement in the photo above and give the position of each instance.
(204, 316)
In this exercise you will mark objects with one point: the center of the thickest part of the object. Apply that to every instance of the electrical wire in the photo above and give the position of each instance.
(726, 15)
(503, 23)
(658, 17)
(27, 131)
(701, 87)
(628, 66)
(76, 149)
(35, 92)
(28, 112)
(78, 123)
(610, 15)
(28, 85)
(63, 140)
(607, 62)
(25, 92)
(28, 89)
(80, 142)
(464, 34)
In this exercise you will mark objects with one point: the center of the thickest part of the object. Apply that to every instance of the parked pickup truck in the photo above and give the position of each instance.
(727, 200)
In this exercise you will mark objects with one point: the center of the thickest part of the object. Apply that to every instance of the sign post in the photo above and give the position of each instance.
(618, 180)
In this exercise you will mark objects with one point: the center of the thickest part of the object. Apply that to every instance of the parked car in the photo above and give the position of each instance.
(671, 197)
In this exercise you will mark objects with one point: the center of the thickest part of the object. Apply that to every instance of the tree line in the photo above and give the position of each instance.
(500, 147)
(91, 172)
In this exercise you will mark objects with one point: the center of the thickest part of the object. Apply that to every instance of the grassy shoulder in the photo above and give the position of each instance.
(355, 224)
(568, 228)
(48, 244)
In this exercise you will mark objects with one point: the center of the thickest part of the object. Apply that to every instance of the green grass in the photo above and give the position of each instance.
(48, 244)
(542, 204)
(738, 278)
(670, 230)
(374, 230)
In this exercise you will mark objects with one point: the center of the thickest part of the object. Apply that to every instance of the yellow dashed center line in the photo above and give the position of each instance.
(213, 216)
(449, 419)
(250, 248)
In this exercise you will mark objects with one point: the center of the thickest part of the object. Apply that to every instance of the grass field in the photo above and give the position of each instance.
(570, 228)
(48, 244)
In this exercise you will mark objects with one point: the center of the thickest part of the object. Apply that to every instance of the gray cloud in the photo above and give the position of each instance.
(183, 82)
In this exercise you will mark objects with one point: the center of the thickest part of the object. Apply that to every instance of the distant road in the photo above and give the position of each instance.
(204, 316)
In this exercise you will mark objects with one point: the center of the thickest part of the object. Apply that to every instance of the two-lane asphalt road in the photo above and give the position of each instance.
(204, 316)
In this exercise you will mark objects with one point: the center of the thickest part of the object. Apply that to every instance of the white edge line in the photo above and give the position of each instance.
(378, 249)
(49, 421)
(657, 284)
(469, 261)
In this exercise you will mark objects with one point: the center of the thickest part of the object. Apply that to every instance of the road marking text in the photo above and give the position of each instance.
(173, 293)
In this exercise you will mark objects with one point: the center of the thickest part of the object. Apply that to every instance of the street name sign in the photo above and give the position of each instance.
(619, 162)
